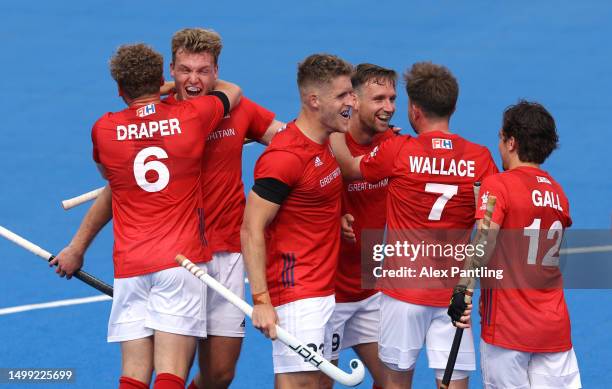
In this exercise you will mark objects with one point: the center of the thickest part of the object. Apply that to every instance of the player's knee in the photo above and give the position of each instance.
(218, 377)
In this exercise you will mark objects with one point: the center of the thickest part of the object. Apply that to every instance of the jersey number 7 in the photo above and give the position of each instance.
(446, 193)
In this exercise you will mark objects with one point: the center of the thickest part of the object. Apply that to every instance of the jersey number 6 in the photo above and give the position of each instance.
(141, 168)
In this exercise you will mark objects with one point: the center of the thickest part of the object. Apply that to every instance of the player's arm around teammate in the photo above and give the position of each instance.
(355, 320)
(159, 333)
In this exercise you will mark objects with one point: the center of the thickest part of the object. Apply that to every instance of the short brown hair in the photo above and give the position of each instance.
(533, 128)
(433, 88)
(197, 40)
(321, 68)
(366, 72)
(138, 69)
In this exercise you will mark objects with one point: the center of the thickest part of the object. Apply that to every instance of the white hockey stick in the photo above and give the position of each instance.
(352, 379)
(44, 254)
(78, 200)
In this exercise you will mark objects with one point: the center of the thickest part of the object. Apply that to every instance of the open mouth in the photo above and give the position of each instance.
(193, 91)
(346, 113)
(384, 118)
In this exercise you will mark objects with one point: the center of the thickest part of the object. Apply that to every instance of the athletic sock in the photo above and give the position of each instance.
(192, 385)
(131, 383)
(168, 381)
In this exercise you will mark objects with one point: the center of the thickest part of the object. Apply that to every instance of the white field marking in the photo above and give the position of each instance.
(94, 299)
(53, 304)
(586, 250)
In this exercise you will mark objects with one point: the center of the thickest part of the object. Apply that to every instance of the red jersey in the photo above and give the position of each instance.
(532, 211)
(431, 180)
(222, 172)
(304, 237)
(152, 156)
(367, 203)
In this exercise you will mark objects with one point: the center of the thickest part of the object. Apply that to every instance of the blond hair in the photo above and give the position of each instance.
(321, 69)
(197, 40)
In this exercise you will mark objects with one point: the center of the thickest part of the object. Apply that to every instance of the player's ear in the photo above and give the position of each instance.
(512, 144)
(355, 100)
(119, 91)
(162, 81)
(172, 69)
(414, 112)
(311, 99)
(216, 71)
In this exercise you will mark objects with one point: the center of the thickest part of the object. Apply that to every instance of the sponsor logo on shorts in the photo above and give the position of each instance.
(243, 324)
(147, 110)
(438, 143)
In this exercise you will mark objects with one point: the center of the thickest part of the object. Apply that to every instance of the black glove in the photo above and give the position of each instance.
(457, 303)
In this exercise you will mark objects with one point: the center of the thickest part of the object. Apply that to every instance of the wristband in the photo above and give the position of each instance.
(261, 298)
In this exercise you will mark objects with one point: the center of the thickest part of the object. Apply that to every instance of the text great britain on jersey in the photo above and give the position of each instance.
(164, 127)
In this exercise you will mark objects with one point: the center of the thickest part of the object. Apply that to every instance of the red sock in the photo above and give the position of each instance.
(131, 383)
(193, 385)
(168, 381)
(376, 387)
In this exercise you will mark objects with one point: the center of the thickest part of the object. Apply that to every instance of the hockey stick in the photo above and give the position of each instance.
(357, 369)
(78, 200)
(454, 352)
(37, 250)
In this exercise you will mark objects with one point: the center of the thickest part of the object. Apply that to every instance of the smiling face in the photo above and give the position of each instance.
(375, 104)
(195, 74)
(335, 104)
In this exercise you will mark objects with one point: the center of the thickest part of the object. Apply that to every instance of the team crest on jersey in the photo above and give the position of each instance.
(543, 179)
(318, 161)
(147, 110)
(438, 143)
(484, 199)
(373, 152)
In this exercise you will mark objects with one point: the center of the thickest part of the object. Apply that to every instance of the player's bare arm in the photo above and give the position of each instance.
(348, 164)
(257, 215)
(272, 129)
(166, 88)
(70, 259)
(460, 312)
(232, 91)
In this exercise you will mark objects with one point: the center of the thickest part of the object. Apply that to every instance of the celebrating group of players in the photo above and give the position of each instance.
(175, 186)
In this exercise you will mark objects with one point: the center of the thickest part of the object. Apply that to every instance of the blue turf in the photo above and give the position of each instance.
(54, 67)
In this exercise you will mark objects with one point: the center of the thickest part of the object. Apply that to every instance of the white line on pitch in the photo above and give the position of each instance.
(585, 250)
(94, 299)
(53, 304)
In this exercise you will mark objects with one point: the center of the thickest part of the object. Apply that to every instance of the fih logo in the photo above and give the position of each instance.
(438, 143)
(147, 110)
